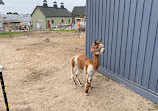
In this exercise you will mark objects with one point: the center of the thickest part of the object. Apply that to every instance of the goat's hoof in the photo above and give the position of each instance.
(75, 85)
(86, 94)
(91, 87)
(81, 85)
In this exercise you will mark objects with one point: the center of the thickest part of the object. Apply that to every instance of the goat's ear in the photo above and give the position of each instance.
(94, 43)
(100, 40)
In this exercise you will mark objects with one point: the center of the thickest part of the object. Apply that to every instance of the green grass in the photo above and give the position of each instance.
(99, 76)
(156, 106)
(63, 30)
(3, 34)
(106, 79)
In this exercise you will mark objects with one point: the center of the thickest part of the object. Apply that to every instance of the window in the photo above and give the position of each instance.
(69, 20)
(52, 21)
(62, 21)
(78, 20)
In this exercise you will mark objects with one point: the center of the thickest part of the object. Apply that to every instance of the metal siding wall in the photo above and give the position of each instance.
(130, 34)
(124, 37)
(135, 42)
(111, 18)
(129, 29)
(150, 44)
(115, 30)
(102, 22)
(87, 28)
(119, 35)
(103, 28)
(106, 31)
(94, 23)
(143, 41)
(154, 66)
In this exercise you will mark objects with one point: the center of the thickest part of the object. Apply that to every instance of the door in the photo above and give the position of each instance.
(48, 24)
(38, 25)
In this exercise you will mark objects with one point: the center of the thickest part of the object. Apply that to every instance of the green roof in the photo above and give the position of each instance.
(54, 12)
(79, 11)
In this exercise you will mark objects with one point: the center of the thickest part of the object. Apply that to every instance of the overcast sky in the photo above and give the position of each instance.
(27, 6)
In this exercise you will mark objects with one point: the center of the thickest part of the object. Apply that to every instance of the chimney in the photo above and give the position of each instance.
(55, 5)
(62, 5)
(45, 3)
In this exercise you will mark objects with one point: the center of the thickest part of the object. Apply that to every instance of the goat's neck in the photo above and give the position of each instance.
(96, 61)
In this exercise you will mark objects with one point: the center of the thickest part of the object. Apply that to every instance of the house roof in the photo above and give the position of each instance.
(54, 12)
(15, 18)
(79, 11)
(1, 2)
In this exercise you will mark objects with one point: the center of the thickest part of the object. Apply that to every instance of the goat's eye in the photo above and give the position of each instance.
(97, 47)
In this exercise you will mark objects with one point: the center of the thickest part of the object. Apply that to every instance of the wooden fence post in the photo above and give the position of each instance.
(60, 26)
(9, 29)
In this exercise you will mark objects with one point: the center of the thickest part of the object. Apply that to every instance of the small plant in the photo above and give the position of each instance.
(156, 106)
(106, 79)
(63, 30)
(99, 76)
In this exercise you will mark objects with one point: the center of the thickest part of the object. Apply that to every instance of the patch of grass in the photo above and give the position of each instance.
(99, 76)
(63, 30)
(106, 79)
(156, 106)
(7, 33)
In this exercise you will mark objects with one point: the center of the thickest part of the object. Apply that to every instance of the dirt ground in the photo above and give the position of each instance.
(37, 75)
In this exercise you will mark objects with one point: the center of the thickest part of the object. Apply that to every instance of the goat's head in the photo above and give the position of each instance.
(98, 47)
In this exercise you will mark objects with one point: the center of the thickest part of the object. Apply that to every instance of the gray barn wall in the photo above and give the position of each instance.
(129, 29)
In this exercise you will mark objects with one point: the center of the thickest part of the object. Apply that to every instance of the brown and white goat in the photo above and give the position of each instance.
(88, 66)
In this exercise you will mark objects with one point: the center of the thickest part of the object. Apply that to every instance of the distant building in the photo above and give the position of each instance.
(1, 24)
(15, 20)
(47, 17)
(79, 14)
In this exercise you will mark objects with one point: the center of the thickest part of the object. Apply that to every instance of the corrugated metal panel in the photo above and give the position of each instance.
(129, 29)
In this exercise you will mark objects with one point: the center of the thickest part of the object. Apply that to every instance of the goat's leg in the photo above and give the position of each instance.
(73, 80)
(72, 77)
(91, 84)
(78, 79)
(88, 84)
(73, 71)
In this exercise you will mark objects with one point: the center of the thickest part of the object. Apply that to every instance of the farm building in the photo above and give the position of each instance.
(1, 25)
(79, 14)
(15, 19)
(47, 17)
(129, 29)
